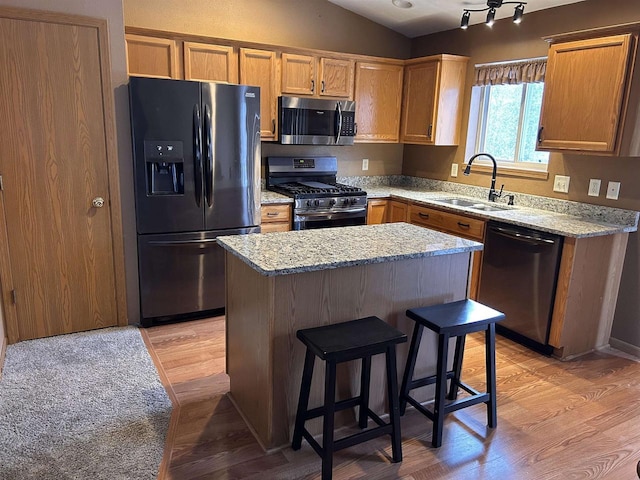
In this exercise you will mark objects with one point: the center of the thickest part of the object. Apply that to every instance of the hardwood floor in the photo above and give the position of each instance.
(556, 420)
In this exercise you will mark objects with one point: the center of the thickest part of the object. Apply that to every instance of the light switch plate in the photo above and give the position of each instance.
(454, 169)
(365, 164)
(613, 190)
(594, 187)
(561, 184)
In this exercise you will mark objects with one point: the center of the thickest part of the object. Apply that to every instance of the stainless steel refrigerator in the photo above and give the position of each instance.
(197, 176)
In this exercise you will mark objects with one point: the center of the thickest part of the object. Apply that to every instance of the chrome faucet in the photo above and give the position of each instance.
(492, 191)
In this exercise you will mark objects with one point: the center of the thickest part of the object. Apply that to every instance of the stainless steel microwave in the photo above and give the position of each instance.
(314, 121)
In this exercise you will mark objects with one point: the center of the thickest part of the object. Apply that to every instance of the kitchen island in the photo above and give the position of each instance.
(281, 282)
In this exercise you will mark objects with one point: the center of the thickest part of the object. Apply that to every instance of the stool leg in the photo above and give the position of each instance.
(394, 408)
(329, 411)
(365, 379)
(303, 400)
(410, 366)
(457, 367)
(492, 409)
(441, 388)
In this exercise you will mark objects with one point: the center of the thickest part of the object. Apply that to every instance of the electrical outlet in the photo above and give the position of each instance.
(594, 187)
(613, 190)
(365, 164)
(454, 169)
(561, 184)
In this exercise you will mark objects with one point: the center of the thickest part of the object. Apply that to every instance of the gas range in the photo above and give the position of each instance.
(319, 201)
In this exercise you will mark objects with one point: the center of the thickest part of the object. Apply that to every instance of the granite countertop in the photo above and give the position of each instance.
(282, 253)
(269, 197)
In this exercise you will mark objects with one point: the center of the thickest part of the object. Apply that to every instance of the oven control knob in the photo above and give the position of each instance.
(332, 202)
(308, 203)
(354, 201)
(316, 202)
(345, 201)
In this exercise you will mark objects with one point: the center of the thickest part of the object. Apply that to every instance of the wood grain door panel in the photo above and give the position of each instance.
(419, 103)
(54, 163)
(259, 67)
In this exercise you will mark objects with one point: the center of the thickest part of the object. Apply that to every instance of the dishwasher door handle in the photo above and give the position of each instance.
(514, 234)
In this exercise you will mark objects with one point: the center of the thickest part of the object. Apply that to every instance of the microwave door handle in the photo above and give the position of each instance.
(208, 156)
(338, 121)
(197, 153)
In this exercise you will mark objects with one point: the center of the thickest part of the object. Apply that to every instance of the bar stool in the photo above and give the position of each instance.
(454, 319)
(342, 342)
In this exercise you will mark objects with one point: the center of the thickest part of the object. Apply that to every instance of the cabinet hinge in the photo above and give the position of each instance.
(14, 297)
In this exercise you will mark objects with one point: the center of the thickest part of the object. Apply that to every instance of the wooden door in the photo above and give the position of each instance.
(205, 62)
(336, 77)
(298, 74)
(378, 93)
(419, 103)
(258, 67)
(62, 251)
(583, 94)
(398, 211)
(151, 57)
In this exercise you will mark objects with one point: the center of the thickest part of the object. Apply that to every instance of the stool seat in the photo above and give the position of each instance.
(463, 316)
(342, 342)
(455, 319)
(350, 340)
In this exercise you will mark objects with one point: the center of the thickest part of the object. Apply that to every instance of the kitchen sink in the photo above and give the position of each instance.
(472, 204)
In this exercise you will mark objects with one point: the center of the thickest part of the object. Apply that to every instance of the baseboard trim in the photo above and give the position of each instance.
(624, 347)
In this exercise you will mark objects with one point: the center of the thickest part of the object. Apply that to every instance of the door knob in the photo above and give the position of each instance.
(98, 202)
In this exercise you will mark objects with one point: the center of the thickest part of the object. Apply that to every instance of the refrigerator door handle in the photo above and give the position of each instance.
(208, 156)
(197, 153)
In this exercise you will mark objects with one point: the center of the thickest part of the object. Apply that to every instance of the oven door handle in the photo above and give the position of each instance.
(325, 213)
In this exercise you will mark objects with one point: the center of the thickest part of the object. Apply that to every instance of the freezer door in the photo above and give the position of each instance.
(166, 121)
(231, 155)
(181, 274)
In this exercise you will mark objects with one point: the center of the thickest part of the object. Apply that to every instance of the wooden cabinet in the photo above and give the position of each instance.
(378, 96)
(590, 98)
(151, 57)
(210, 63)
(317, 76)
(259, 67)
(276, 218)
(460, 225)
(376, 211)
(432, 100)
(397, 211)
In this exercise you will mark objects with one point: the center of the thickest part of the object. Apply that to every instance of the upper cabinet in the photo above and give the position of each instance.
(151, 57)
(317, 76)
(432, 100)
(210, 63)
(590, 103)
(259, 67)
(378, 96)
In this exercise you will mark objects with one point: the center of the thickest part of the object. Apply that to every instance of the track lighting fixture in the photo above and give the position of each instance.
(491, 14)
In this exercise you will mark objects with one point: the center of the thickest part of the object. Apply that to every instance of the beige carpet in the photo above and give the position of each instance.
(82, 406)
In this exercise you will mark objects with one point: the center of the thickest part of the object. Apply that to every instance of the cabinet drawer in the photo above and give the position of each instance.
(275, 227)
(448, 222)
(276, 213)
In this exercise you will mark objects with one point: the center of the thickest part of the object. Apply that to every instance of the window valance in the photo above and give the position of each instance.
(525, 71)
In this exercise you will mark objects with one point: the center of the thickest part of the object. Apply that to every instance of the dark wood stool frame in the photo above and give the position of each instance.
(364, 352)
(445, 332)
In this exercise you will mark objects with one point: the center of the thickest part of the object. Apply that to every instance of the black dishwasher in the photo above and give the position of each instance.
(519, 276)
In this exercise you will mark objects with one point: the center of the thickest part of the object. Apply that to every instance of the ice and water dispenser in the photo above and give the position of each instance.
(164, 167)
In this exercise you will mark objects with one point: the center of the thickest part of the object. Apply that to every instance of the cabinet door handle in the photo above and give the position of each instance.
(313, 85)
(322, 83)
(429, 131)
(423, 215)
(273, 126)
(272, 214)
(540, 134)
(463, 225)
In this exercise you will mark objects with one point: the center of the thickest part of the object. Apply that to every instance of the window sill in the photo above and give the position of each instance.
(509, 171)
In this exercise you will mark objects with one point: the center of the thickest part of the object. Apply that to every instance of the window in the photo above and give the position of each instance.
(505, 111)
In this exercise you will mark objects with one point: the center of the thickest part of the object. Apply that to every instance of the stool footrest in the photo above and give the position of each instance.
(475, 398)
(341, 405)
(354, 439)
(430, 380)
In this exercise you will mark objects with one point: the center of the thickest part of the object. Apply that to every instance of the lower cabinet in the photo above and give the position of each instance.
(460, 225)
(377, 211)
(397, 211)
(276, 218)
